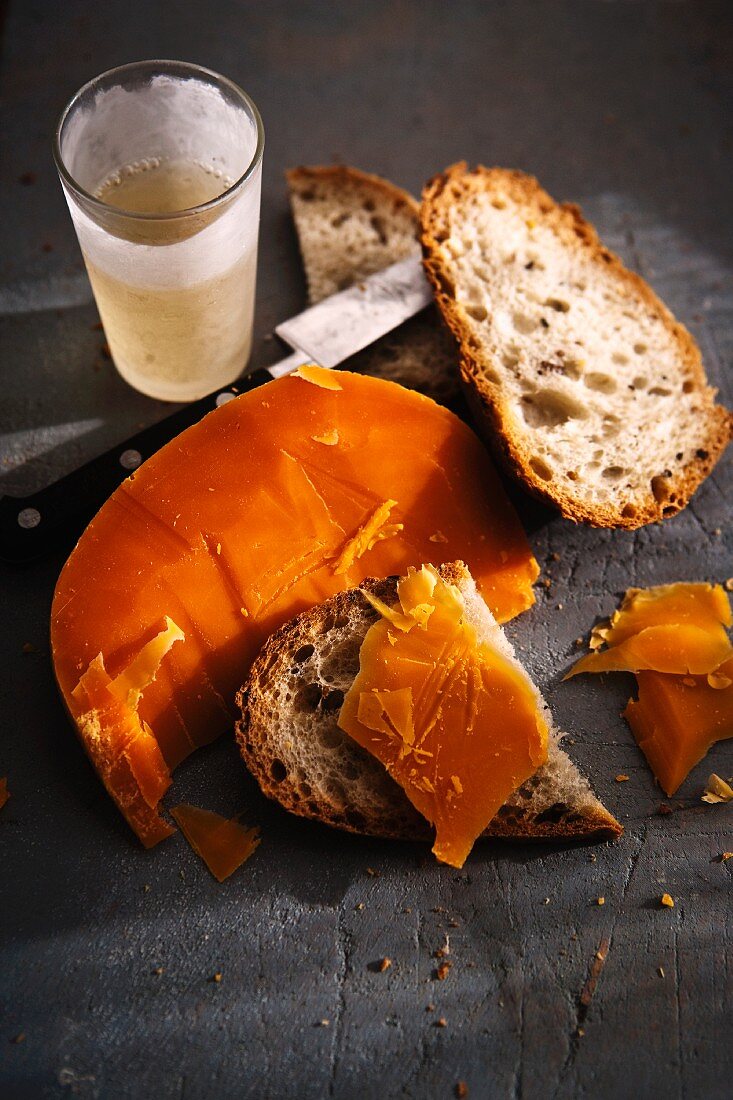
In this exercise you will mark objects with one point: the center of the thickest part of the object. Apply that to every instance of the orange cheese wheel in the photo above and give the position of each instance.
(248, 518)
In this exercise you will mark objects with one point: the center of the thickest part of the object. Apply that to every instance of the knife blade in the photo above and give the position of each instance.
(327, 334)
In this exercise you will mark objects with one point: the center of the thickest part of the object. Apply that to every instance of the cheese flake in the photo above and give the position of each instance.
(223, 844)
(318, 376)
(717, 790)
(328, 439)
(366, 536)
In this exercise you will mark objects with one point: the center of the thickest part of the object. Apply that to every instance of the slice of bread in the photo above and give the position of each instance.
(350, 224)
(291, 742)
(592, 391)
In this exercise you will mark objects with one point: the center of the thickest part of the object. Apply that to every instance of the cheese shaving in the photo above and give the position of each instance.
(329, 438)
(717, 790)
(318, 376)
(366, 536)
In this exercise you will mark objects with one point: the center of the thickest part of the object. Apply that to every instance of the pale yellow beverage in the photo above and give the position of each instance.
(161, 165)
(172, 318)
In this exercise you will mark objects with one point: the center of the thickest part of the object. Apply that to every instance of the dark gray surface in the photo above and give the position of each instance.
(622, 106)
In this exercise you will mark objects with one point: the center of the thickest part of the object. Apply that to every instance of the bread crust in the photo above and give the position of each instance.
(276, 658)
(341, 174)
(486, 399)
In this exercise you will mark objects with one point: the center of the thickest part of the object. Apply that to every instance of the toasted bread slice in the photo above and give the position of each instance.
(593, 392)
(350, 224)
(291, 742)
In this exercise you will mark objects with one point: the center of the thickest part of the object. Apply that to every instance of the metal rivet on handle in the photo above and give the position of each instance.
(223, 398)
(130, 460)
(28, 518)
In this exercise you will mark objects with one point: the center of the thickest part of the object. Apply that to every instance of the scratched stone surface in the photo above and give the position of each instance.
(108, 952)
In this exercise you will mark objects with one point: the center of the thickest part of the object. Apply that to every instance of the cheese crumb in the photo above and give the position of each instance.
(600, 901)
(717, 790)
(622, 778)
(667, 900)
(384, 964)
(660, 971)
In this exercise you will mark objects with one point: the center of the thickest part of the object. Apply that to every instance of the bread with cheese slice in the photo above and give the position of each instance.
(291, 741)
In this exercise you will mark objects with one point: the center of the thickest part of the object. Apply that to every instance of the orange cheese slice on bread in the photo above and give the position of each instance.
(454, 720)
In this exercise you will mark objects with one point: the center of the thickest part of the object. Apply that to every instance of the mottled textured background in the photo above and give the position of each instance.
(622, 106)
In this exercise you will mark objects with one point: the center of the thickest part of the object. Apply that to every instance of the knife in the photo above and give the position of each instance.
(327, 334)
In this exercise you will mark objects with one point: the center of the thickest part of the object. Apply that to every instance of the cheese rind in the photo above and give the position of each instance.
(235, 526)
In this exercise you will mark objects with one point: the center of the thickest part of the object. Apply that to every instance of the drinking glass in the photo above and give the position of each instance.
(161, 164)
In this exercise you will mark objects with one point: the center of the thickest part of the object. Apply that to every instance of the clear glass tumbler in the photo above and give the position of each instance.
(161, 165)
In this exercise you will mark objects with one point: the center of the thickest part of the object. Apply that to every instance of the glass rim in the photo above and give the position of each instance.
(161, 65)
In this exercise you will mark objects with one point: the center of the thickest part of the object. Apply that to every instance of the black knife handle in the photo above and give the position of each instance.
(31, 526)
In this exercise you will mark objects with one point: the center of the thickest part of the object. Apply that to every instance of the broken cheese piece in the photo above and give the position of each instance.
(673, 637)
(684, 649)
(455, 723)
(232, 565)
(223, 844)
(120, 742)
(683, 604)
(676, 720)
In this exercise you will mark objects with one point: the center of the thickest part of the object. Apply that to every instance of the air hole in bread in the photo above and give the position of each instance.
(523, 323)
(303, 653)
(492, 376)
(477, 311)
(619, 359)
(603, 383)
(510, 360)
(558, 304)
(660, 488)
(640, 382)
(553, 814)
(550, 409)
(641, 349)
(628, 511)
(613, 473)
(688, 387)
(571, 475)
(309, 697)
(379, 228)
(339, 219)
(333, 701)
(332, 737)
(541, 468)
(369, 206)
(660, 391)
(498, 204)
(278, 771)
